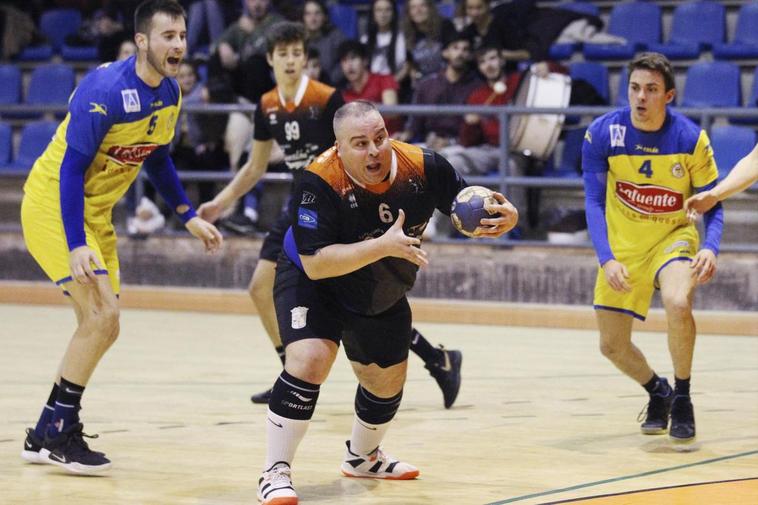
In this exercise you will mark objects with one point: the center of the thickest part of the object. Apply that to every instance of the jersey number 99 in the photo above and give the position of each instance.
(292, 130)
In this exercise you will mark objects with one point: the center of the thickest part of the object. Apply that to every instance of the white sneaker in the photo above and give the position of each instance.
(376, 465)
(275, 486)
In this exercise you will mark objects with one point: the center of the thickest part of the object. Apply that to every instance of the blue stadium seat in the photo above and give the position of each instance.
(712, 84)
(730, 144)
(6, 145)
(562, 51)
(745, 43)
(695, 26)
(638, 22)
(57, 24)
(79, 53)
(571, 155)
(345, 18)
(580, 7)
(34, 139)
(594, 73)
(752, 101)
(10, 91)
(51, 84)
(446, 10)
(42, 52)
(622, 94)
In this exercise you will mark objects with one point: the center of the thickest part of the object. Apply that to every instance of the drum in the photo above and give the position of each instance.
(535, 135)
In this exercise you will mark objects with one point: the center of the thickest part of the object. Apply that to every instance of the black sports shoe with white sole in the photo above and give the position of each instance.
(32, 446)
(69, 450)
(447, 373)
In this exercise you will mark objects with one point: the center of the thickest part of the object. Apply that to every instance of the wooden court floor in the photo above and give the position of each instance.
(541, 418)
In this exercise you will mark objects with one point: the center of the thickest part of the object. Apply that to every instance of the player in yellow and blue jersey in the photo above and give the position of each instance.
(122, 116)
(640, 164)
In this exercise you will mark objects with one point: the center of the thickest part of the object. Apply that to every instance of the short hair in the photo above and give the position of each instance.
(352, 48)
(486, 48)
(352, 109)
(143, 14)
(654, 62)
(284, 33)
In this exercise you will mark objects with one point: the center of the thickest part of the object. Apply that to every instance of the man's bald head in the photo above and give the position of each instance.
(357, 109)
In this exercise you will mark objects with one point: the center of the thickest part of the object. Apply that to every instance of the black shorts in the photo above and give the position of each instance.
(305, 309)
(272, 244)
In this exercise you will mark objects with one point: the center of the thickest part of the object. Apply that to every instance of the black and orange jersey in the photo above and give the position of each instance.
(332, 208)
(303, 128)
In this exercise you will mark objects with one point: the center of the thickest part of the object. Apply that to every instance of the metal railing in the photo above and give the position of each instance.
(502, 179)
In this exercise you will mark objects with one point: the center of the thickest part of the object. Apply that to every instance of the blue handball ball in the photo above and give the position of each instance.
(468, 209)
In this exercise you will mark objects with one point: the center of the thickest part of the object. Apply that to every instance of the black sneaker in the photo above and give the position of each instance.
(262, 397)
(32, 446)
(447, 373)
(658, 408)
(682, 420)
(239, 224)
(69, 450)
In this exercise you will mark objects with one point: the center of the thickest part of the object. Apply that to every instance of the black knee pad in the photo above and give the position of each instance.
(375, 410)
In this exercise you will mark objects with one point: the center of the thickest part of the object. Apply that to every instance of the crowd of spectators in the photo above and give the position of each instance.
(413, 55)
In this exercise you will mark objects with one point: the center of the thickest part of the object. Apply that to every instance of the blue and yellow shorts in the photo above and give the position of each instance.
(46, 241)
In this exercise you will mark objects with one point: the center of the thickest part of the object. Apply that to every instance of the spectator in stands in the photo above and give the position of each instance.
(526, 32)
(112, 25)
(17, 30)
(126, 49)
(450, 86)
(425, 30)
(321, 34)
(207, 20)
(313, 68)
(362, 84)
(198, 141)
(386, 44)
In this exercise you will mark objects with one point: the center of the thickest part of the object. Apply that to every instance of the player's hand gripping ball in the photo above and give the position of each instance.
(468, 209)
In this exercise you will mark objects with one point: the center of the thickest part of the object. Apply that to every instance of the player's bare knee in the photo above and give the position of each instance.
(611, 349)
(677, 305)
(260, 292)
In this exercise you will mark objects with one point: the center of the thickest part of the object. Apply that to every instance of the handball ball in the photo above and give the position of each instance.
(468, 209)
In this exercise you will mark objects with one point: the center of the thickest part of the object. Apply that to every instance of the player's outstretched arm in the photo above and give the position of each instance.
(743, 175)
(340, 259)
(496, 226)
(206, 232)
(243, 181)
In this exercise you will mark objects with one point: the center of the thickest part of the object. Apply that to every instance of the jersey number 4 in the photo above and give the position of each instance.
(646, 169)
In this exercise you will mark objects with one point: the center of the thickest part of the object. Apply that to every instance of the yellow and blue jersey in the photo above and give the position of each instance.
(116, 119)
(649, 176)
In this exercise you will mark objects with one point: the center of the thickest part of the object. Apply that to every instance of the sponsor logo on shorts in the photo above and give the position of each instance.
(685, 245)
(648, 198)
(299, 315)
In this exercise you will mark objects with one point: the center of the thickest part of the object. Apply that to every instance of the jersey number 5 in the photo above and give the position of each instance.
(646, 169)
(153, 123)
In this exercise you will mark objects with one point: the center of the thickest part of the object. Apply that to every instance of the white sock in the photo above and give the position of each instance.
(284, 435)
(366, 437)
